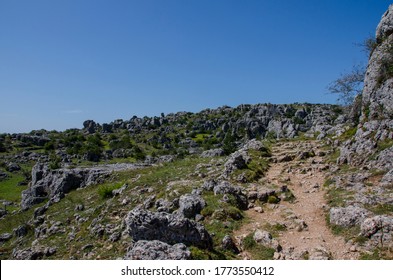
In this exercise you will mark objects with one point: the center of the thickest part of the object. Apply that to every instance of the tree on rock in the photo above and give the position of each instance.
(348, 85)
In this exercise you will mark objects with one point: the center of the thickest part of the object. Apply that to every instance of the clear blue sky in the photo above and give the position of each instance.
(62, 62)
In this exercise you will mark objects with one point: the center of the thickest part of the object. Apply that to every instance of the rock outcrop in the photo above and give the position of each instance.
(376, 121)
(169, 228)
(48, 184)
(157, 250)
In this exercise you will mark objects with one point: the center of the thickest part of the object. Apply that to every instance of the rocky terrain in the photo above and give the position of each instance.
(264, 181)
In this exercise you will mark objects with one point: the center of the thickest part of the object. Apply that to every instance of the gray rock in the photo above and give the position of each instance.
(227, 243)
(120, 190)
(320, 253)
(387, 179)
(5, 237)
(157, 250)
(379, 228)
(169, 228)
(115, 237)
(12, 167)
(191, 205)
(213, 153)
(262, 237)
(50, 184)
(3, 175)
(348, 216)
(79, 207)
(209, 185)
(286, 158)
(28, 254)
(385, 26)
(90, 126)
(21, 231)
(225, 187)
(266, 239)
(237, 160)
(3, 212)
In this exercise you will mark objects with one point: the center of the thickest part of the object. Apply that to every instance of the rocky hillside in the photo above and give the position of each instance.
(264, 181)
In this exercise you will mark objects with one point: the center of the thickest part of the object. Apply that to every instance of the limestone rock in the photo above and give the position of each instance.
(191, 205)
(348, 216)
(378, 228)
(169, 228)
(213, 153)
(227, 243)
(157, 250)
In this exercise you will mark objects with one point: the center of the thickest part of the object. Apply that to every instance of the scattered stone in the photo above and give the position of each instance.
(79, 207)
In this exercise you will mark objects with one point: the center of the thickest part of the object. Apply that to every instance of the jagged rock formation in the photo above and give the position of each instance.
(376, 123)
(168, 228)
(53, 184)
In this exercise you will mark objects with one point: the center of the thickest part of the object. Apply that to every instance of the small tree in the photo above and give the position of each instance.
(349, 85)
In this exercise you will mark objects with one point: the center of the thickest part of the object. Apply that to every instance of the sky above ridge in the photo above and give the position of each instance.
(63, 62)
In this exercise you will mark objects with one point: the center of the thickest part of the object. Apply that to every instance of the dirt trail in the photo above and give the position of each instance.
(306, 234)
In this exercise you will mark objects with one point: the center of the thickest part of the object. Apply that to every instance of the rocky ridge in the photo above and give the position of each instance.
(316, 186)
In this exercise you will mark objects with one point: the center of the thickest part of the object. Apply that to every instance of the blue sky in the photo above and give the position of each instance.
(62, 62)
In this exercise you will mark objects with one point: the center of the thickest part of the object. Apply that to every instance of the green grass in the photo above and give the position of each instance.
(257, 251)
(348, 134)
(337, 197)
(381, 209)
(275, 229)
(9, 189)
(258, 166)
(218, 213)
(349, 233)
(105, 191)
(378, 254)
(385, 144)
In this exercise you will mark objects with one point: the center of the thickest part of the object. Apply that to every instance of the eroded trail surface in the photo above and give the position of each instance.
(299, 226)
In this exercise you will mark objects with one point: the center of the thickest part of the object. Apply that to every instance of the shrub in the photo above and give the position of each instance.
(273, 199)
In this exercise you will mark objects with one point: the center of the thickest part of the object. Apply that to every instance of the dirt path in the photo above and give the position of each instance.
(305, 233)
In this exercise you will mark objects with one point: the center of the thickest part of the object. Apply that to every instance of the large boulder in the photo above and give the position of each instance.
(191, 205)
(379, 228)
(348, 216)
(157, 250)
(225, 188)
(169, 228)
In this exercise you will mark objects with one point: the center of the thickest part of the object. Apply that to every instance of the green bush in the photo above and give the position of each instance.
(105, 191)
(273, 199)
